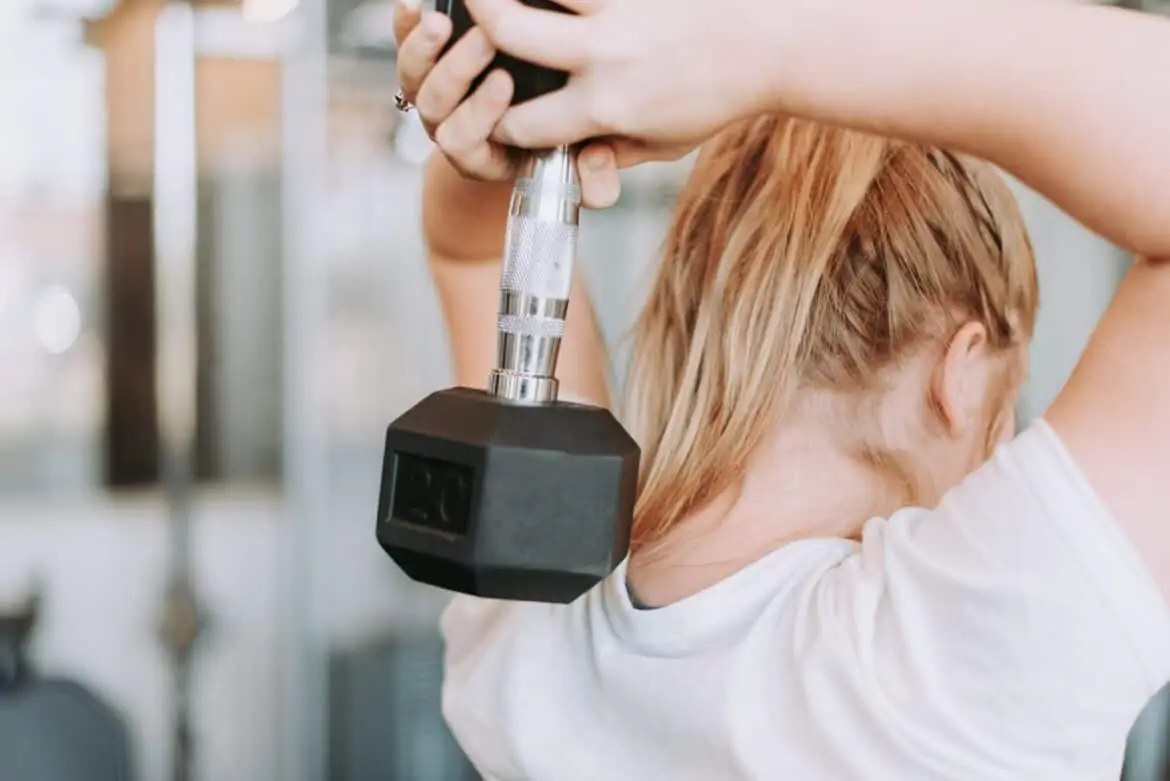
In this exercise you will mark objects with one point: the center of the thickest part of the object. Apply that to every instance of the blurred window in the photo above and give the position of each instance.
(52, 179)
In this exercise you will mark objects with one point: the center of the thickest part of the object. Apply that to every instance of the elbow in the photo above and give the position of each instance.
(1136, 219)
(1158, 244)
(1150, 239)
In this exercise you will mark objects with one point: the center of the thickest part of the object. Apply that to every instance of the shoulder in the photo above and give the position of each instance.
(469, 624)
(1030, 486)
(511, 670)
(1027, 522)
(1018, 599)
(490, 631)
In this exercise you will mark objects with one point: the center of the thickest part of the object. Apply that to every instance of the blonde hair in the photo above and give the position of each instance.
(802, 256)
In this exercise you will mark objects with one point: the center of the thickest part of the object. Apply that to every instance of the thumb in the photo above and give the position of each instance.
(600, 184)
(551, 120)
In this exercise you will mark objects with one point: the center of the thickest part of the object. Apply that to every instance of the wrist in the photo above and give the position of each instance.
(463, 219)
(825, 57)
(795, 47)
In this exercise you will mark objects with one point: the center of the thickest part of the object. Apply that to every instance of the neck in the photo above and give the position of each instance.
(799, 485)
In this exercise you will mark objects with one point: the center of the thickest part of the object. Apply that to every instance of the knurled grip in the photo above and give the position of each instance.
(537, 277)
(540, 244)
(546, 327)
(539, 258)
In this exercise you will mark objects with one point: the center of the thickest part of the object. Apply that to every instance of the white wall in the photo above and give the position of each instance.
(1079, 272)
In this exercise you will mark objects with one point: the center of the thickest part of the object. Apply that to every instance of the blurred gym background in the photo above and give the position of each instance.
(213, 299)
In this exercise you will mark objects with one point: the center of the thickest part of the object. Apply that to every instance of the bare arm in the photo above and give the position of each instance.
(464, 225)
(1075, 101)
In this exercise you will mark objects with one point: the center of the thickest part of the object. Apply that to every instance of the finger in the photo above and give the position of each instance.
(419, 51)
(469, 127)
(447, 85)
(548, 38)
(406, 17)
(600, 184)
(560, 117)
(464, 136)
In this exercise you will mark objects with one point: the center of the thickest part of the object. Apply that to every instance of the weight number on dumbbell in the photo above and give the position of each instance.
(431, 493)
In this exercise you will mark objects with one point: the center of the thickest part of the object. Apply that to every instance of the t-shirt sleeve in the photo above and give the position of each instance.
(1014, 629)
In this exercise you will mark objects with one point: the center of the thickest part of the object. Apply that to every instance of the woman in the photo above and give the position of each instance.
(844, 566)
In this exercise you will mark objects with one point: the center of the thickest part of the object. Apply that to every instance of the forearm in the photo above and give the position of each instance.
(463, 220)
(1073, 100)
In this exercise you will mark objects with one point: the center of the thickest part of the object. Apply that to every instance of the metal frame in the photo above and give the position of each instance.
(175, 217)
(304, 733)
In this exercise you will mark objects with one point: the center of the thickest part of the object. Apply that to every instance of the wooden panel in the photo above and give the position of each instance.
(128, 42)
(238, 113)
(237, 103)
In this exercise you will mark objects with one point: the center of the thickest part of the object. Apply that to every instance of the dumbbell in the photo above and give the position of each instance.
(508, 493)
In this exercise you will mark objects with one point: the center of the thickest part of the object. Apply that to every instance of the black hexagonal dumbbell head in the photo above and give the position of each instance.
(507, 501)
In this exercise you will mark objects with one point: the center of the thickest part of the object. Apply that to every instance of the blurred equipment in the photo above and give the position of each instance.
(1147, 757)
(52, 729)
(386, 723)
(175, 213)
(510, 494)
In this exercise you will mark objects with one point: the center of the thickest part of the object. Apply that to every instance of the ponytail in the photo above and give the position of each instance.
(804, 256)
(720, 347)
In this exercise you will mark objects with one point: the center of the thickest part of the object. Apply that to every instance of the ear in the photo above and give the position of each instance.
(959, 385)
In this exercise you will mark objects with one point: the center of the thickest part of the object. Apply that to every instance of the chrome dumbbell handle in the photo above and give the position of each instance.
(537, 276)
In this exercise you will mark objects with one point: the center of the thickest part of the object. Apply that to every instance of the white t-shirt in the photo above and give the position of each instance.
(1012, 633)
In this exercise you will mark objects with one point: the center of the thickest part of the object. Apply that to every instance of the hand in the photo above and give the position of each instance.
(461, 126)
(654, 77)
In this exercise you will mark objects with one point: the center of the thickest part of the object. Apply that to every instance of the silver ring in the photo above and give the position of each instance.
(401, 103)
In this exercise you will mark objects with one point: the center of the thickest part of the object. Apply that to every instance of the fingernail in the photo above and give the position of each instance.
(602, 192)
(410, 5)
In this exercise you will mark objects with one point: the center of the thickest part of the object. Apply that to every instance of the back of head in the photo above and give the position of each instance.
(803, 257)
